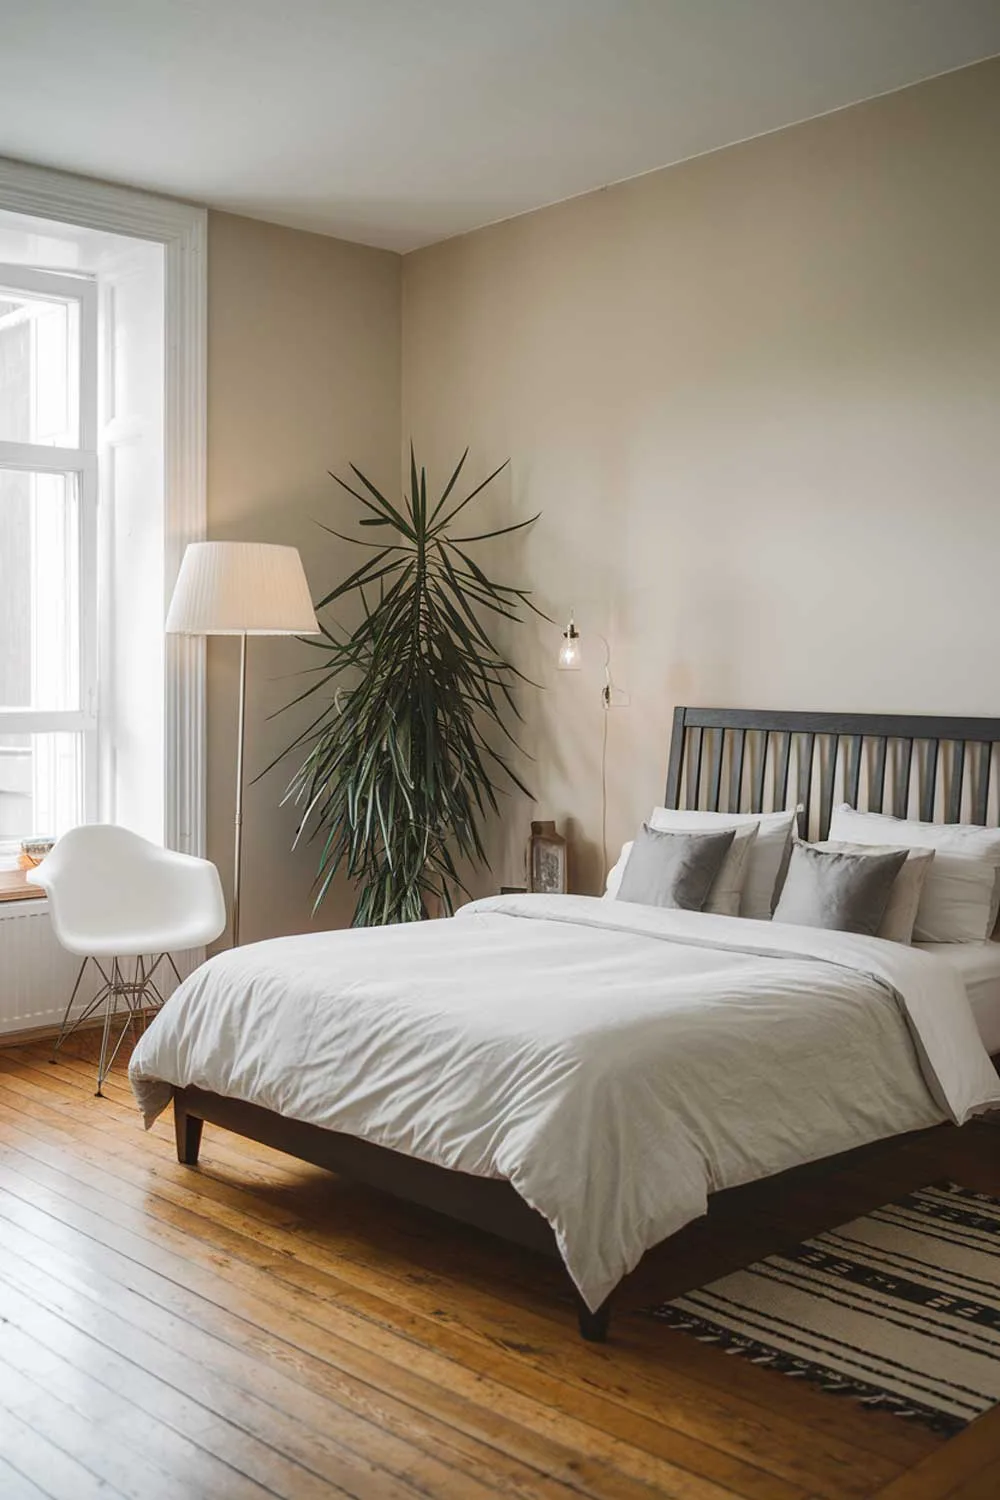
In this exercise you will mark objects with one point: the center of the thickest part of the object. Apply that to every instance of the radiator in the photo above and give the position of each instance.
(37, 975)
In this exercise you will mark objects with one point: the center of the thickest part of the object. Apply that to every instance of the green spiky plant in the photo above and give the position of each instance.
(404, 762)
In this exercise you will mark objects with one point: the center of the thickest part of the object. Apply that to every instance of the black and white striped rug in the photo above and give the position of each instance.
(900, 1309)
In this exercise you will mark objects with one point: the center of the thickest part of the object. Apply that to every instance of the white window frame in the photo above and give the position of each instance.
(181, 229)
(80, 461)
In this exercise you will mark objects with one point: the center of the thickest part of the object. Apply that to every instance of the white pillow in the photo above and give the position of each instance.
(958, 903)
(768, 859)
(727, 887)
(616, 872)
(900, 913)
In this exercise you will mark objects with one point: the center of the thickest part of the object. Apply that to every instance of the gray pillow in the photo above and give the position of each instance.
(842, 892)
(673, 869)
(901, 909)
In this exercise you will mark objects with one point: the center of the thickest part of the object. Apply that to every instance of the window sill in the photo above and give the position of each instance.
(14, 887)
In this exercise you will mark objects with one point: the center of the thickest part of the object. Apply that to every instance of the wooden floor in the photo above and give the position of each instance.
(255, 1327)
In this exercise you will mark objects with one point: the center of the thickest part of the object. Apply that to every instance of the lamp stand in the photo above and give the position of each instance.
(238, 836)
(241, 588)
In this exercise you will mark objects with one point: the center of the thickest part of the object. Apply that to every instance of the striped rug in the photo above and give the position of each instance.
(900, 1309)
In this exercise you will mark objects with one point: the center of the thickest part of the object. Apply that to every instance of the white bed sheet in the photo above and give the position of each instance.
(978, 966)
(616, 1063)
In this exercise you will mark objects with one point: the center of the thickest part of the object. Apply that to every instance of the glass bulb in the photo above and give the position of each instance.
(570, 656)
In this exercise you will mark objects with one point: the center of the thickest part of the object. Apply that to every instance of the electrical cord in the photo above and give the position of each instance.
(606, 707)
(604, 788)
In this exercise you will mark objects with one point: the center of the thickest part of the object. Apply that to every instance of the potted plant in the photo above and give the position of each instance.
(406, 757)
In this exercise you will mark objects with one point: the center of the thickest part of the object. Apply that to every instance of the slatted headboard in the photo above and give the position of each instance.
(750, 760)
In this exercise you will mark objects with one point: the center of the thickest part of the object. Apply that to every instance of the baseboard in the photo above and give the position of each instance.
(49, 1033)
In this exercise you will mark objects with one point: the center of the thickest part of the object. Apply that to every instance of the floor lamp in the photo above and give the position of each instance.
(244, 589)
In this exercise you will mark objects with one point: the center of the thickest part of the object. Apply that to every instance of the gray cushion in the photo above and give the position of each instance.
(843, 892)
(900, 913)
(673, 869)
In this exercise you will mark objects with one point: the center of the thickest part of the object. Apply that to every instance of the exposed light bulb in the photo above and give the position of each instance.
(570, 656)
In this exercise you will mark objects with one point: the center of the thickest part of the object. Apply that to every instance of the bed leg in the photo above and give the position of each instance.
(187, 1132)
(594, 1325)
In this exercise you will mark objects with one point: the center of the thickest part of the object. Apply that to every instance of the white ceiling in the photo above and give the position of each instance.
(400, 122)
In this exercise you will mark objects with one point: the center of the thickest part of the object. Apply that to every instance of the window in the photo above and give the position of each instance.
(48, 551)
(140, 760)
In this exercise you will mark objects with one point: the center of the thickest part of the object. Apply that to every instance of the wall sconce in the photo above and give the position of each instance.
(570, 658)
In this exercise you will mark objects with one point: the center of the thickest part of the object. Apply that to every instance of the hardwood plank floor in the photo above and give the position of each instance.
(256, 1327)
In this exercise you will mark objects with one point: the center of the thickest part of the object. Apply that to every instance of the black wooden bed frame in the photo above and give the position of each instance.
(721, 759)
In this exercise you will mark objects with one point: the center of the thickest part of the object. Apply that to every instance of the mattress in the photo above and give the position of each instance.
(978, 966)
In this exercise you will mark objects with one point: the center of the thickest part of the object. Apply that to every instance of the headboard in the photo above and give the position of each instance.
(751, 760)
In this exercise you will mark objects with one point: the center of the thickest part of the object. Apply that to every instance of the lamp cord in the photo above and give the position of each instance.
(606, 706)
(604, 792)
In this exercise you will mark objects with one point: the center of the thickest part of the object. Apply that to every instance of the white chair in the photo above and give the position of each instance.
(115, 896)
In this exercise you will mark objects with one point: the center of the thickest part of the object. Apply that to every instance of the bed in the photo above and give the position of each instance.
(612, 1065)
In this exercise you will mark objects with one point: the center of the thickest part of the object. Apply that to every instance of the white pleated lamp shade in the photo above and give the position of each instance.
(241, 588)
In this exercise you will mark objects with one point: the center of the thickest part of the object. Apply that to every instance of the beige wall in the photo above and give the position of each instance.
(304, 362)
(757, 400)
(753, 396)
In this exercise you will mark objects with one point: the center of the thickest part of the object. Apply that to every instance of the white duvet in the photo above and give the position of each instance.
(616, 1063)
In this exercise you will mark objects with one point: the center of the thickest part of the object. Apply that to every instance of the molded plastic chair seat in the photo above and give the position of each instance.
(114, 896)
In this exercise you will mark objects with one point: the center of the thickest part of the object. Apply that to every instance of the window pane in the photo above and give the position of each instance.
(39, 370)
(41, 785)
(39, 591)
